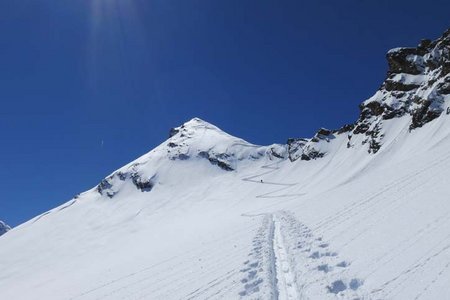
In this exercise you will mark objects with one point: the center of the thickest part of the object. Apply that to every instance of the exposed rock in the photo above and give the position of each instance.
(361, 128)
(374, 138)
(323, 132)
(277, 153)
(105, 187)
(400, 60)
(444, 88)
(373, 108)
(393, 113)
(346, 128)
(390, 85)
(305, 149)
(111, 185)
(145, 185)
(217, 159)
(415, 86)
(4, 228)
(423, 114)
(173, 131)
(199, 139)
(417, 82)
(295, 148)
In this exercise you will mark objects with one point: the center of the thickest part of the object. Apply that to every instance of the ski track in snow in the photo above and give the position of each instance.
(270, 194)
(157, 281)
(402, 184)
(288, 262)
(286, 281)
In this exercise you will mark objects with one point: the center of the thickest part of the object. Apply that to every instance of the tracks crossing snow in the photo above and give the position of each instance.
(285, 278)
(288, 261)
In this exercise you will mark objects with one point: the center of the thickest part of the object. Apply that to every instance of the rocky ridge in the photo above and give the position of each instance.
(416, 87)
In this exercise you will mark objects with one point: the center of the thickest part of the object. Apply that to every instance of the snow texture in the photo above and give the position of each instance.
(356, 213)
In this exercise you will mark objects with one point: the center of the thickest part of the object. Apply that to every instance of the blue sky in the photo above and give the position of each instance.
(87, 86)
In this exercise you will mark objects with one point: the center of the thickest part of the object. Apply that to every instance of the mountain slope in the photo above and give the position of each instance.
(356, 213)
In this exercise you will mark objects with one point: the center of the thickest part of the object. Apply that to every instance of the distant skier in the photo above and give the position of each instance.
(448, 110)
(261, 181)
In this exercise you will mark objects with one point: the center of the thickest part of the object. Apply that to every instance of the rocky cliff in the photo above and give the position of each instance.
(416, 87)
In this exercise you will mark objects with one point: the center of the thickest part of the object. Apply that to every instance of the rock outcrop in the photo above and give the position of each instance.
(416, 87)
(417, 82)
(4, 228)
(308, 149)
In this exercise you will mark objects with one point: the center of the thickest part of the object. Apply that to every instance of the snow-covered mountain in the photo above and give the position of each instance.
(4, 228)
(361, 212)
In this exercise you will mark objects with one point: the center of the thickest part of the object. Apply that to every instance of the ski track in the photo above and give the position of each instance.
(146, 283)
(394, 286)
(356, 207)
(288, 261)
(286, 285)
(284, 186)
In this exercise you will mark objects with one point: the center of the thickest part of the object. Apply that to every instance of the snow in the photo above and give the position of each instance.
(410, 78)
(394, 50)
(348, 225)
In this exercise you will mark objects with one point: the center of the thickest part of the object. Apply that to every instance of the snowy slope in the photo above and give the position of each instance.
(356, 213)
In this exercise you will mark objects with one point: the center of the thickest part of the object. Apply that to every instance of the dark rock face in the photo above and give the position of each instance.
(423, 114)
(390, 85)
(308, 149)
(374, 139)
(105, 187)
(4, 228)
(399, 63)
(417, 81)
(346, 128)
(172, 132)
(295, 148)
(219, 160)
(145, 185)
(110, 185)
(444, 87)
(276, 153)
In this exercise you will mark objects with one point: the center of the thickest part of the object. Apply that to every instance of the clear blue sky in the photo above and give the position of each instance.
(76, 73)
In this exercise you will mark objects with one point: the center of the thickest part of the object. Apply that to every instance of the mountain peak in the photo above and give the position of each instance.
(200, 139)
(195, 124)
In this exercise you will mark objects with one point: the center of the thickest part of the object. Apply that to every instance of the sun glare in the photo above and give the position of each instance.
(113, 23)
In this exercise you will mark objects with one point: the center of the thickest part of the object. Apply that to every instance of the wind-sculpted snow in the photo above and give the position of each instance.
(356, 213)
